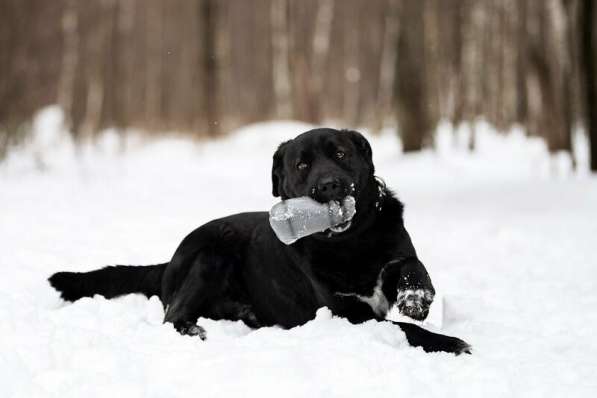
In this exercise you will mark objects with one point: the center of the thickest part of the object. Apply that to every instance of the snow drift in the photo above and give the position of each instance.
(510, 248)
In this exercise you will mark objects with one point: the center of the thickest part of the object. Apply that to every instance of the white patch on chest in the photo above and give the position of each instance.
(377, 300)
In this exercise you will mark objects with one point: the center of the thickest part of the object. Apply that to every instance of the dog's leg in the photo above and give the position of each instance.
(433, 342)
(199, 291)
(415, 335)
(235, 311)
(415, 290)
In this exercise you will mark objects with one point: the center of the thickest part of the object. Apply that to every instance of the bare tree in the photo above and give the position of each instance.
(208, 21)
(413, 103)
(387, 67)
(320, 51)
(69, 58)
(587, 50)
(279, 21)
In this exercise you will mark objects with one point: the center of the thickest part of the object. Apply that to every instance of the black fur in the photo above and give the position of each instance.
(110, 282)
(235, 268)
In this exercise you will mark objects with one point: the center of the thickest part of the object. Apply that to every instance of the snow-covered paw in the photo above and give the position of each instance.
(414, 303)
(190, 329)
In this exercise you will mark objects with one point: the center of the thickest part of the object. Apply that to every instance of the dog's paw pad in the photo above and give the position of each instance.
(414, 303)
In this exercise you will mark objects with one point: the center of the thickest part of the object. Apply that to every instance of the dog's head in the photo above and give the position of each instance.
(326, 164)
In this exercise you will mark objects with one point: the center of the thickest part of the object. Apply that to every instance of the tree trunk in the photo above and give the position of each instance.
(320, 50)
(96, 82)
(521, 64)
(387, 69)
(548, 62)
(66, 86)
(210, 86)
(351, 69)
(458, 84)
(590, 85)
(154, 25)
(413, 103)
(280, 69)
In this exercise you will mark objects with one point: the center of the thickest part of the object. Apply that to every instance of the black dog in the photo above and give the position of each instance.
(235, 268)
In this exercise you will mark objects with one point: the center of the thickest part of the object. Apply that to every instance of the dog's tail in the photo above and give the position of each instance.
(112, 281)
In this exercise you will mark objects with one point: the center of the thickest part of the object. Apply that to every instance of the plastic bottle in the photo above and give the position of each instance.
(296, 218)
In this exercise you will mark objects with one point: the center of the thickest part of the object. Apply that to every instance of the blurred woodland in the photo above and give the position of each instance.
(207, 66)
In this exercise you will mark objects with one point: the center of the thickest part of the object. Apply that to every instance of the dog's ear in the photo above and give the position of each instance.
(363, 146)
(277, 169)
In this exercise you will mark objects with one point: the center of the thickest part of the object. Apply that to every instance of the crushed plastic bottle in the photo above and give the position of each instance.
(296, 218)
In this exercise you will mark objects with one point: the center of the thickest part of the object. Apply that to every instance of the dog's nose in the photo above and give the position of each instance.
(329, 188)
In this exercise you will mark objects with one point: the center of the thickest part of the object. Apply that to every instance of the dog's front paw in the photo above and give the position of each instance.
(414, 303)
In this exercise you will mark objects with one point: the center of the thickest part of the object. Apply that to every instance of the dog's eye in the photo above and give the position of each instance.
(302, 165)
(340, 154)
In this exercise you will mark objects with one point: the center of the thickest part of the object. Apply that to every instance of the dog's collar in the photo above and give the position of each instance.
(381, 193)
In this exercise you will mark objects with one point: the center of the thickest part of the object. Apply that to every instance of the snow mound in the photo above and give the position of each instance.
(511, 250)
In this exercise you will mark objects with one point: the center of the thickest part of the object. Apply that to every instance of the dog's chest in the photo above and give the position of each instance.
(363, 276)
(374, 298)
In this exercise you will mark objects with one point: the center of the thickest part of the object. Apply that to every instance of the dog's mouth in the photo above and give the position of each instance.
(338, 229)
(346, 210)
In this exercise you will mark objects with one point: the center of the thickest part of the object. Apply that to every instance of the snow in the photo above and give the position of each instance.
(509, 243)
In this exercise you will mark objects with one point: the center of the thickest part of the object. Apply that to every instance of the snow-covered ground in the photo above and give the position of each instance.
(510, 247)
